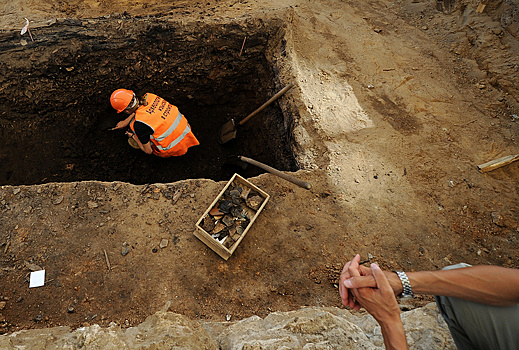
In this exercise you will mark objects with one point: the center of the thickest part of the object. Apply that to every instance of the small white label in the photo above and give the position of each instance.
(37, 279)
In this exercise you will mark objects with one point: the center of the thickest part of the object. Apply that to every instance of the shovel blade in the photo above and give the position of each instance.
(227, 132)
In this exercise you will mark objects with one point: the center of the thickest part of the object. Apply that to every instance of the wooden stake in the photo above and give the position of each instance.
(30, 34)
(497, 163)
(243, 45)
(107, 261)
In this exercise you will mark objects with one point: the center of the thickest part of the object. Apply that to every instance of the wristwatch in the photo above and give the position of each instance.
(407, 291)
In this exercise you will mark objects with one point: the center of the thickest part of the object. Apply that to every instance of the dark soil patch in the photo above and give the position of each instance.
(56, 100)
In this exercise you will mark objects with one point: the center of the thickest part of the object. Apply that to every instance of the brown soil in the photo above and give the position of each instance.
(395, 104)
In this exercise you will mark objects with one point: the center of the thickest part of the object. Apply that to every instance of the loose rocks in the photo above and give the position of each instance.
(125, 249)
(231, 215)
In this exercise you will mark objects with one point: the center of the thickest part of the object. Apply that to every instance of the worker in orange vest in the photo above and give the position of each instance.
(157, 127)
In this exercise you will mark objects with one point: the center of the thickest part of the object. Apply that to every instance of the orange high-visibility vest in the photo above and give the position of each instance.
(172, 135)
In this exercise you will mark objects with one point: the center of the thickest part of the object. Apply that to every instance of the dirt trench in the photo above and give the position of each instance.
(56, 114)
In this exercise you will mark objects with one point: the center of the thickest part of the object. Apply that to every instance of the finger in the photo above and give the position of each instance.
(360, 282)
(345, 268)
(354, 303)
(354, 266)
(342, 291)
(351, 299)
(344, 275)
(381, 279)
(353, 270)
(346, 296)
(364, 270)
(354, 299)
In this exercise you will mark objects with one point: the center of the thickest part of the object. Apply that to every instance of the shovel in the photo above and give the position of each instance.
(236, 161)
(228, 130)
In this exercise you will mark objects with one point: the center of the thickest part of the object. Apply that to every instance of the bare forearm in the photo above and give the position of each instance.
(394, 334)
(127, 121)
(139, 143)
(146, 148)
(483, 284)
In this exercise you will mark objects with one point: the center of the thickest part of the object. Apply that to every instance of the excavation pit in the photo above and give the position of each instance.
(55, 114)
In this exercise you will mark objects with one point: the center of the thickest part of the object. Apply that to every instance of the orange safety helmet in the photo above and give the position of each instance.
(121, 99)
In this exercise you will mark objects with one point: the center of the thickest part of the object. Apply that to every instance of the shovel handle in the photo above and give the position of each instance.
(262, 107)
(276, 172)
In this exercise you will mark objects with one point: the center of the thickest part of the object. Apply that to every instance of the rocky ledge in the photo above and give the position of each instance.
(307, 328)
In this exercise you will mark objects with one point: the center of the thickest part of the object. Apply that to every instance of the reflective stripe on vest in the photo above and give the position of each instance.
(172, 128)
(176, 141)
(168, 131)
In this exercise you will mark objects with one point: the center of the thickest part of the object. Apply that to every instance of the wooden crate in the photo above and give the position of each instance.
(214, 243)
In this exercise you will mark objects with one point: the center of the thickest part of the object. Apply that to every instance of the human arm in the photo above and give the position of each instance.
(124, 123)
(381, 303)
(485, 284)
(143, 134)
(146, 148)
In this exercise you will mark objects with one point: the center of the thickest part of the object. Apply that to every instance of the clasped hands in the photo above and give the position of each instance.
(371, 288)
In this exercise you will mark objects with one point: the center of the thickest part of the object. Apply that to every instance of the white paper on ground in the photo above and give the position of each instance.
(37, 279)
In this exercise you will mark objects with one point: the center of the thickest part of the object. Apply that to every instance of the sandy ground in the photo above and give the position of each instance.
(398, 103)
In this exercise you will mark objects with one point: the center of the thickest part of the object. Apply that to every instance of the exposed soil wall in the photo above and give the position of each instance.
(57, 112)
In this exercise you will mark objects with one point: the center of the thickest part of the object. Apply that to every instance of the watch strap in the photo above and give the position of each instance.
(407, 291)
